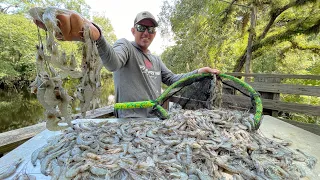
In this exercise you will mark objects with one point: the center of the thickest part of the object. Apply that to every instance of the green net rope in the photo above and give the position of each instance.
(164, 114)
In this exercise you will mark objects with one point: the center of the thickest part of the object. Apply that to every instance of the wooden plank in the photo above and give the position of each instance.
(244, 102)
(314, 128)
(286, 88)
(278, 88)
(283, 76)
(103, 112)
(21, 134)
(231, 101)
(268, 95)
(292, 107)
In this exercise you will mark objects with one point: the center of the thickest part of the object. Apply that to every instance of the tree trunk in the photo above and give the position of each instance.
(250, 40)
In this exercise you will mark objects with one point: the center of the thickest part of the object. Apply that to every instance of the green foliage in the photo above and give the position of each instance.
(16, 7)
(106, 27)
(304, 118)
(203, 35)
(214, 33)
(107, 88)
(18, 37)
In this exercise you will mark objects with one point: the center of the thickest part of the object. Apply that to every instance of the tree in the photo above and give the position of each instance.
(21, 7)
(106, 27)
(215, 32)
(309, 25)
(18, 38)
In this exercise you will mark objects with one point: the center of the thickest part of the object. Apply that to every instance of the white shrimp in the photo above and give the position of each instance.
(11, 169)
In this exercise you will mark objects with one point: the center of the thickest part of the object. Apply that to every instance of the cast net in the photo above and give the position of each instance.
(204, 91)
(213, 92)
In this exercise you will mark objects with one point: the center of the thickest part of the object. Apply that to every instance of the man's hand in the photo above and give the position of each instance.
(71, 26)
(208, 70)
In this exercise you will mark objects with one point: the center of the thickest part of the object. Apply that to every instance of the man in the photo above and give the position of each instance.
(137, 73)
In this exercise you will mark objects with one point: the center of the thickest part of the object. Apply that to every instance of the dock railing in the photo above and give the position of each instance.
(270, 86)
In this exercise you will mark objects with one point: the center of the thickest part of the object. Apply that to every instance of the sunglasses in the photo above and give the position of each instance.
(142, 28)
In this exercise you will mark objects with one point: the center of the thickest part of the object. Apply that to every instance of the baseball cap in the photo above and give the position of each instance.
(145, 15)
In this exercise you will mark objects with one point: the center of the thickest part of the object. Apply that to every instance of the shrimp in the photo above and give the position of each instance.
(64, 105)
(99, 171)
(41, 91)
(88, 43)
(50, 96)
(56, 170)
(310, 160)
(46, 161)
(37, 13)
(73, 62)
(50, 20)
(11, 169)
(63, 59)
(33, 86)
(88, 94)
(52, 123)
(40, 58)
(34, 155)
(72, 172)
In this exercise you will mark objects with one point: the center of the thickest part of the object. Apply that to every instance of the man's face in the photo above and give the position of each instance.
(143, 39)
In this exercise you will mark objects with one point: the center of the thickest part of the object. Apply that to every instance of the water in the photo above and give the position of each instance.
(20, 108)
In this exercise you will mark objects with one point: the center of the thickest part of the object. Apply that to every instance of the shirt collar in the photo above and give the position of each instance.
(138, 47)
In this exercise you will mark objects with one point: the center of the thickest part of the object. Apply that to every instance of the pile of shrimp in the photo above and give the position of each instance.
(51, 62)
(199, 144)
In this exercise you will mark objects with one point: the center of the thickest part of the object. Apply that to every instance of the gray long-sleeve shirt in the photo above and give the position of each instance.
(137, 76)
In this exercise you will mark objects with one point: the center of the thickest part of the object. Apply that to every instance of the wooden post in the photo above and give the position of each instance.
(268, 95)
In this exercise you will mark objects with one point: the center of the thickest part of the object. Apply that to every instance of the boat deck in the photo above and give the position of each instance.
(304, 140)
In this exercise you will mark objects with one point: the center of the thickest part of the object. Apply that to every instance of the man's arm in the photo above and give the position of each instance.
(113, 58)
(71, 26)
(168, 77)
